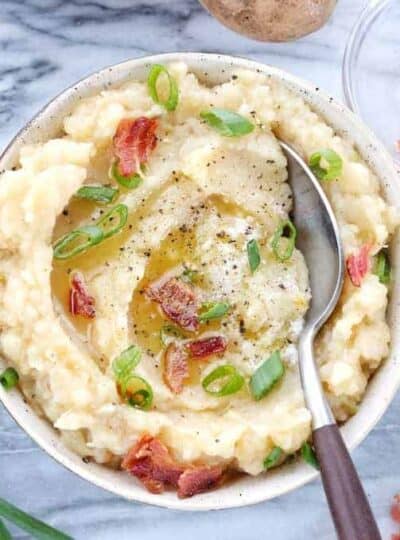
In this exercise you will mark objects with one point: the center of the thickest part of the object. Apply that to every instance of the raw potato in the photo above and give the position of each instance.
(271, 20)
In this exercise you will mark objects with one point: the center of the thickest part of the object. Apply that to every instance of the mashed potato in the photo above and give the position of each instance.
(203, 197)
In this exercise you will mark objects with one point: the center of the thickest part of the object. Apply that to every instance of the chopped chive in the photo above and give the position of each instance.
(138, 393)
(27, 523)
(273, 458)
(129, 182)
(382, 267)
(253, 255)
(230, 381)
(283, 250)
(308, 454)
(266, 376)
(171, 102)
(77, 241)
(9, 378)
(168, 332)
(334, 164)
(103, 194)
(228, 123)
(213, 310)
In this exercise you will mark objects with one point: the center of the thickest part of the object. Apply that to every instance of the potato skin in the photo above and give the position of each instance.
(271, 20)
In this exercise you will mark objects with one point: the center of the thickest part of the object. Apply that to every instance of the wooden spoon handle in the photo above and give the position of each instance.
(349, 505)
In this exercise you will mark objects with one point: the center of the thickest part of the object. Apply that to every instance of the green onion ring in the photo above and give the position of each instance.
(102, 194)
(214, 310)
(231, 386)
(382, 267)
(9, 378)
(335, 164)
(93, 235)
(227, 123)
(308, 455)
(121, 210)
(139, 398)
(171, 102)
(266, 376)
(126, 362)
(273, 458)
(284, 255)
(129, 182)
(168, 332)
(253, 255)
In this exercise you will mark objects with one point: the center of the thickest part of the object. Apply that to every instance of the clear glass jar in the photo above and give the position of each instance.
(371, 70)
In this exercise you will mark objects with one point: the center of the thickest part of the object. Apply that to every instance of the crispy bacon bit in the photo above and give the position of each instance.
(358, 265)
(395, 536)
(176, 368)
(133, 142)
(178, 302)
(395, 508)
(149, 460)
(202, 348)
(199, 479)
(80, 301)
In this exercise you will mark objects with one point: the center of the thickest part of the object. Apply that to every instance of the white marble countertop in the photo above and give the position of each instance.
(46, 45)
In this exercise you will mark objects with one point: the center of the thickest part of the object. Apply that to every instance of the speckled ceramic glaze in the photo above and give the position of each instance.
(245, 490)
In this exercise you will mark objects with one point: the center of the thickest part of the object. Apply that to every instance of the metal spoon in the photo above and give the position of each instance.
(319, 241)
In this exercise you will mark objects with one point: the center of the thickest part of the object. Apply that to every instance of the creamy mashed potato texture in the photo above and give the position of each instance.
(201, 198)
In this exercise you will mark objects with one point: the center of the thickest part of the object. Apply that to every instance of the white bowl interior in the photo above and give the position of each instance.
(245, 490)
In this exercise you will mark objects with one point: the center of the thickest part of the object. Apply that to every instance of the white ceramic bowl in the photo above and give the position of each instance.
(246, 490)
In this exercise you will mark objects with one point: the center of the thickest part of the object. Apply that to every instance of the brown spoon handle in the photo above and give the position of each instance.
(349, 505)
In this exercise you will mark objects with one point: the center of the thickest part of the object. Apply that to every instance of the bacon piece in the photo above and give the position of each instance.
(358, 265)
(202, 348)
(395, 508)
(199, 479)
(133, 142)
(149, 460)
(80, 301)
(178, 302)
(395, 536)
(176, 368)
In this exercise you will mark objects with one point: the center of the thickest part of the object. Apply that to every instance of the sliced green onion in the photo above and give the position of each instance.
(104, 194)
(168, 332)
(253, 255)
(137, 392)
(77, 241)
(171, 102)
(129, 182)
(27, 523)
(126, 362)
(213, 310)
(121, 212)
(382, 267)
(334, 161)
(9, 378)
(308, 454)
(4, 532)
(228, 123)
(190, 276)
(285, 251)
(230, 381)
(273, 458)
(266, 376)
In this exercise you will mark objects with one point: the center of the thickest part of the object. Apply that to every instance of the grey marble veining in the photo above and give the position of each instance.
(45, 46)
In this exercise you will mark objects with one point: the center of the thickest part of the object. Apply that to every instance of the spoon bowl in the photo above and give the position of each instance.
(319, 241)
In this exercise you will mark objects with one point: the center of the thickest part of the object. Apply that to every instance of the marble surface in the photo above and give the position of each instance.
(48, 44)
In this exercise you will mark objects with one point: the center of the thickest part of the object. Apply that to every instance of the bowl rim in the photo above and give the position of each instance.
(58, 451)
